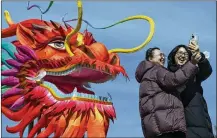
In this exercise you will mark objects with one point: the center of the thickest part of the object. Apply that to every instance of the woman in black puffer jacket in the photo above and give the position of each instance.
(195, 107)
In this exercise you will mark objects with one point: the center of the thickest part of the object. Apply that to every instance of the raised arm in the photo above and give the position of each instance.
(205, 69)
(171, 80)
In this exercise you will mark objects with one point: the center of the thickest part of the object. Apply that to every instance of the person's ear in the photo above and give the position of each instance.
(150, 58)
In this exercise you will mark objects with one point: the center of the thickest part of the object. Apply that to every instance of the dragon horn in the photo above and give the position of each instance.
(11, 30)
(8, 18)
(68, 37)
(148, 39)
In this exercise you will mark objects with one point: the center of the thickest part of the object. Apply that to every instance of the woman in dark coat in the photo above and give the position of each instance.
(195, 108)
(161, 110)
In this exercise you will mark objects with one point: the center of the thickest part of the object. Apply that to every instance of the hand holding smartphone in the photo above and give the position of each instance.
(193, 44)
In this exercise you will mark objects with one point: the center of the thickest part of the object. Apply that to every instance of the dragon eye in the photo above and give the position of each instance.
(58, 45)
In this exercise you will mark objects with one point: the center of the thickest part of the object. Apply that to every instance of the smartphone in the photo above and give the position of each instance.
(194, 38)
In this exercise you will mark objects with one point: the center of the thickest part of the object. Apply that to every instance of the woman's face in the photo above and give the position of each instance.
(181, 56)
(158, 57)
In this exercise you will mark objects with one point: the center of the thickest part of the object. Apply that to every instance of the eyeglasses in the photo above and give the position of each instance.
(161, 54)
(182, 53)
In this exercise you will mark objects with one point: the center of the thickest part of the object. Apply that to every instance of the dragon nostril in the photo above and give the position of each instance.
(89, 53)
(114, 60)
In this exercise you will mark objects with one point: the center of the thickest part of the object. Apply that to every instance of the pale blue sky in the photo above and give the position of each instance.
(175, 22)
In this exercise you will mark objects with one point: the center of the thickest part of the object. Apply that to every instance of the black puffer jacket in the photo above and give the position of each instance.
(161, 109)
(196, 112)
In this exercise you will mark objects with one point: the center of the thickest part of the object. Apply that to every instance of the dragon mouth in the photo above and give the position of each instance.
(77, 76)
(73, 82)
(55, 94)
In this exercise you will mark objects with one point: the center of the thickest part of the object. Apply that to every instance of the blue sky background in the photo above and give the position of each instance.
(175, 22)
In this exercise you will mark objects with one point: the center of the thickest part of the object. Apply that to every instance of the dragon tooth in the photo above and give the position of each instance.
(59, 73)
(31, 78)
(100, 98)
(75, 89)
(109, 95)
(66, 73)
(74, 94)
(87, 85)
(85, 95)
(109, 100)
(96, 97)
(56, 73)
(104, 99)
(81, 95)
(49, 73)
(41, 75)
(74, 68)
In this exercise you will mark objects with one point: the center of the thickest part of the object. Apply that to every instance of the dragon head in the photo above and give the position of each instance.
(50, 73)
(90, 63)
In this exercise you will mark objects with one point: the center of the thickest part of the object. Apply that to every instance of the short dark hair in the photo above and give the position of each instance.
(149, 53)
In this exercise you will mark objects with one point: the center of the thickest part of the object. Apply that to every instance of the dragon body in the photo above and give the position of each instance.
(46, 76)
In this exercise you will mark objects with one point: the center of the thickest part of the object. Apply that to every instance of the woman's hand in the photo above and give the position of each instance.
(195, 58)
(193, 47)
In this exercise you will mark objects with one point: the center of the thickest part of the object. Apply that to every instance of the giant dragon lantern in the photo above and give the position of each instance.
(46, 74)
